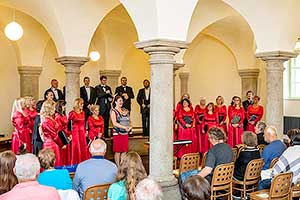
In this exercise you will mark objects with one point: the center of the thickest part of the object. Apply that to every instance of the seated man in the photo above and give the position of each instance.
(289, 161)
(27, 168)
(148, 189)
(94, 171)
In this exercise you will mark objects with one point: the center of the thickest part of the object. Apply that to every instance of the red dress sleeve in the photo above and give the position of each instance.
(225, 113)
(91, 128)
(180, 117)
(20, 123)
(242, 115)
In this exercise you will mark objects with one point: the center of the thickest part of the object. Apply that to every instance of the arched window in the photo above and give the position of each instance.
(292, 78)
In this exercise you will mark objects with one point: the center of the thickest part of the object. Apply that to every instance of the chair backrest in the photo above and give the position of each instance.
(222, 174)
(273, 162)
(203, 160)
(261, 147)
(235, 153)
(253, 170)
(96, 192)
(189, 161)
(281, 186)
(296, 190)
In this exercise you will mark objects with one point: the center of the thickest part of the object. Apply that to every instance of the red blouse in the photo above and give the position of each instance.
(96, 127)
(21, 124)
(257, 111)
(50, 130)
(232, 111)
(184, 114)
(222, 113)
(199, 114)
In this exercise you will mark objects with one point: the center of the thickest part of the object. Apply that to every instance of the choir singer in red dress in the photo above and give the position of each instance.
(236, 115)
(31, 113)
(78, 131)
(62, 121)
(210, 120)
(221, 110)
(49, 129)
(199, 115)
(96, 123)
(254, 114)
(21, 123)
(186, 129)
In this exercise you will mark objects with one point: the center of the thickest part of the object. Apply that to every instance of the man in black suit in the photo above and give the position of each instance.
(88, 94)
(105, 98)
(126, 92)
(58, 95)
(143, 99)
(247, 103)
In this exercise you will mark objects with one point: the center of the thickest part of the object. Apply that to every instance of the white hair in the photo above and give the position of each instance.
(101, 149)
(272, 130)
(27, 167)
(148, 189)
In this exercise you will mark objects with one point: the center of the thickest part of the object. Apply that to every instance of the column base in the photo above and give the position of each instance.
(171, 192)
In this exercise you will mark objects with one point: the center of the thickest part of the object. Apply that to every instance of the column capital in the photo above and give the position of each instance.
(184, 75)
(72, 60)
(249, 73)
(276, 55)
(110, 72)
(177, 66)
(30, 70)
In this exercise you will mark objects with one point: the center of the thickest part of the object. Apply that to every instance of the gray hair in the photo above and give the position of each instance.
(272, 130)
(148, 189)
(27, 167)
(101, 149)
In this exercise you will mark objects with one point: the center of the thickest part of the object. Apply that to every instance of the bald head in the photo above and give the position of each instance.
(98, 148)
(270, 134)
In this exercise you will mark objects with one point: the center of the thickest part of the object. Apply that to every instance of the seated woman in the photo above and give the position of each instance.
(51, 176)
(130, 173)
(196, 188)
(246, 155)
(8, 178)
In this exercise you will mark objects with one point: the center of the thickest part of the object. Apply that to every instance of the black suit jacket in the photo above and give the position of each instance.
(126, 102)
(60, 94)
(246, 103)
(141, 98)
(83, 95)
(104, 99)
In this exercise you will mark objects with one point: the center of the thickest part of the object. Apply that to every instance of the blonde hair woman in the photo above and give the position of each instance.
(130, 173)
(96, 123)
(50, 129)
(77, 119)
(32, 113)
(20, 121)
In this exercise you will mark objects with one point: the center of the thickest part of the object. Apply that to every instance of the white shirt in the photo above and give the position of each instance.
(55, 93)
(147, 93)
(88, 91)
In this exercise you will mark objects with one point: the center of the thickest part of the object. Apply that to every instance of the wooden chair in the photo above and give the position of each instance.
(188, 162)
(273, 162)
(72, 174)
(235, 153)
(280, 189)
(261, 147)
(203, 160)
(96, 192)
(221, 184)
(296, 190)
(251, 178)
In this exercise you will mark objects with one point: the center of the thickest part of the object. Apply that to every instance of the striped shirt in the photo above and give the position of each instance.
(289, 161)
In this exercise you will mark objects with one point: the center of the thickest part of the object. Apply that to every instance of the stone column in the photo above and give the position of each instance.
(184, 80)
(249, 80)
(274, 68)
(113, 77)
(72, 66)
(161, 133)
(29, 81)
(177, 66)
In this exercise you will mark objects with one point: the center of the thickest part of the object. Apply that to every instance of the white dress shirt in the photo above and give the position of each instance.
(88, 92)
(55, 93)
(147, 93)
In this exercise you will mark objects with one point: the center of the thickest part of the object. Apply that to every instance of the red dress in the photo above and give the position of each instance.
(222, 115)
(79, 146)
(209, 121)
(199, 114)
(51, 139)
(235, 134)
(21, 132)
(31, 114)
(254, 114)
(96, 127)
(185, 133)
(65, 154)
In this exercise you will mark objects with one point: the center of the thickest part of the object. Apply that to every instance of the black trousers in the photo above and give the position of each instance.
(146, 123)
(105, 117)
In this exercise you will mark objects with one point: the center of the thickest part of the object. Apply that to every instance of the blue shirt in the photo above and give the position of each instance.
(94, 171)
(117, 191)
(271, 151)
(57, 178)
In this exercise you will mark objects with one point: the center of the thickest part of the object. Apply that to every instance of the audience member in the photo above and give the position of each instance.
(196, 188)
(148, 189)
(275, 147)
(246, 155)
(130, 173)
(57, 178)
(126, 93)
(259, 130)
(8, 178)
(89, 96)
(96, 170)
(27, 169)
(57, 93)
(143, 99)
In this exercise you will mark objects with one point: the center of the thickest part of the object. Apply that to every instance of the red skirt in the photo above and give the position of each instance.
(187, 134)
(48, 143)
(15, 142)
(120, 143)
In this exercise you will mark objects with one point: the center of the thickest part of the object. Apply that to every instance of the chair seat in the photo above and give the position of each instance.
(261, 194)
